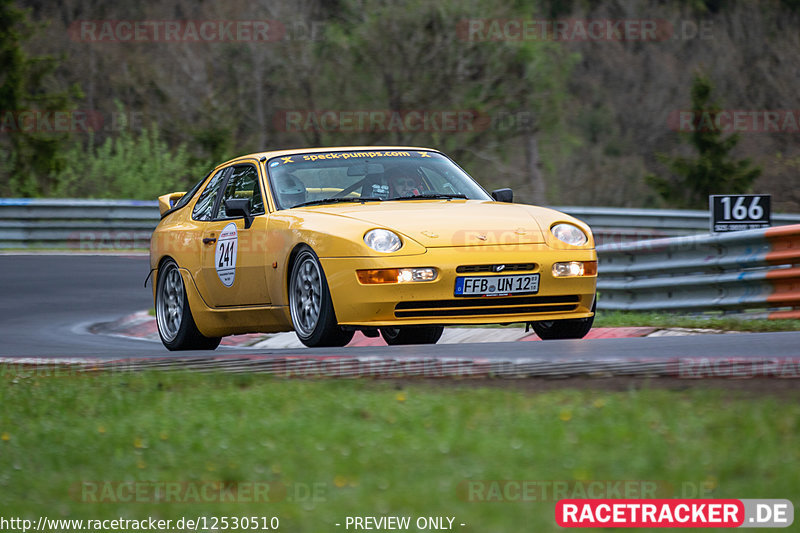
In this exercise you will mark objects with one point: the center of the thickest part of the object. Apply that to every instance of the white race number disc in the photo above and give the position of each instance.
(225, 256)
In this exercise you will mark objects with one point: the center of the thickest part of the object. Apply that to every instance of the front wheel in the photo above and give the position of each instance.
(574, 328)
(310, 304)
(175, 322)
(412, 335)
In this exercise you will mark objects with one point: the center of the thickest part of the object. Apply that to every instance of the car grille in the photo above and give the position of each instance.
(514, 267)
(488, 306)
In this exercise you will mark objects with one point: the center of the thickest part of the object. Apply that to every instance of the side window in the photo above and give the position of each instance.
(183, 200)
(203, 209)
(243, 183)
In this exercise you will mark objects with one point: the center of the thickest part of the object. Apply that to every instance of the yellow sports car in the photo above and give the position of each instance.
(392, 240)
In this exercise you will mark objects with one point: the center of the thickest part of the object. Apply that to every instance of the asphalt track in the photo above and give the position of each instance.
(48, 301)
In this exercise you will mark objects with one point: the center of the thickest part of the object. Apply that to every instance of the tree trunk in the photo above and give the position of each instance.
(533, 168)
(261, 118)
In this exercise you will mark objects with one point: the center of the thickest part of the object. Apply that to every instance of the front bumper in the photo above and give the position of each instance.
(419, 303)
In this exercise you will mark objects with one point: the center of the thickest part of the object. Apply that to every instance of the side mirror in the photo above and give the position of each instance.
(503, 195)
(239, 207)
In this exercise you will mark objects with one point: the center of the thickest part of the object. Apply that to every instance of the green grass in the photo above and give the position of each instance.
(622, 319)
(615, 319)
(371, 447)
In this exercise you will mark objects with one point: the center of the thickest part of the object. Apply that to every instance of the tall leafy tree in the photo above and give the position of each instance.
(417, 56)
(713, 170)
(30, 151)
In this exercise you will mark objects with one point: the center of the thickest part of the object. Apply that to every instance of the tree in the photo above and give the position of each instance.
(418, 56)
(714, 170)
(129, 165)
(29, 153)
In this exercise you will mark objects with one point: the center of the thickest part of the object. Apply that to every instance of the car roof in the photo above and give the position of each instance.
(279, 153)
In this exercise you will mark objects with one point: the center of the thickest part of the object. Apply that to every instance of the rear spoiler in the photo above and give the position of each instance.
(168, 201)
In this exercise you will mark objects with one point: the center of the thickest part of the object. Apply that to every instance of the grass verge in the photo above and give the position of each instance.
(618, 319)
(625, 319)
(331, 449)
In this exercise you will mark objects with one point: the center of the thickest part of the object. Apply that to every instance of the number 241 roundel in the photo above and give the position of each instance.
(225, 256)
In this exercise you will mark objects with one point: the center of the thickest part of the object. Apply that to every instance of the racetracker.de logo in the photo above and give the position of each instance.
(176, 31)
(671, 513)
(580, 30)
(382, 120)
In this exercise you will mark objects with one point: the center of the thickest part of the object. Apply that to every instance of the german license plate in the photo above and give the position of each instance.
(497, 285)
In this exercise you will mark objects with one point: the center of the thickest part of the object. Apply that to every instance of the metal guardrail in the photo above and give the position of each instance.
(78, 224)
(689, 270)
(612, 225)
(754, 269)
(125, 224)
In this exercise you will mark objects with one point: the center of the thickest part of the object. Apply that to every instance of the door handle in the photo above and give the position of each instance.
(209, 240)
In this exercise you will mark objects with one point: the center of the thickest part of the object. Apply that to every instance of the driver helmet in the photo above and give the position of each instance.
(291, 190)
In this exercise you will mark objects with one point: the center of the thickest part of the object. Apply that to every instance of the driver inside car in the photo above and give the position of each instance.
(402, 183)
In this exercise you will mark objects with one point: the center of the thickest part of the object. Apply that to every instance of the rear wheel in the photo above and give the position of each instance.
(412, 335)
(573, 328)
(310, 304)
(176, 325)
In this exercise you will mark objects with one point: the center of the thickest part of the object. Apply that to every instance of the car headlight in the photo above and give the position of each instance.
(383, 240)
(569, 234)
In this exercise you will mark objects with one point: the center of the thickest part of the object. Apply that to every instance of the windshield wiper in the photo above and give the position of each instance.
(433, 196)
(340, 200)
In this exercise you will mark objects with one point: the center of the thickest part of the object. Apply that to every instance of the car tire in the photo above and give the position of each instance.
(574, 328)
(174, 319)
(310, 304)
(412, 335)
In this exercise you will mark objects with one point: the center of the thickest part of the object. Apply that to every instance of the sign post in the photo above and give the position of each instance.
(737, 212)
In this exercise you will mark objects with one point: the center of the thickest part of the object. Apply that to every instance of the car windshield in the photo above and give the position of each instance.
(368, 176)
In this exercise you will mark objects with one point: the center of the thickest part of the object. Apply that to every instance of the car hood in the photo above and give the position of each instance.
(442, 223)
